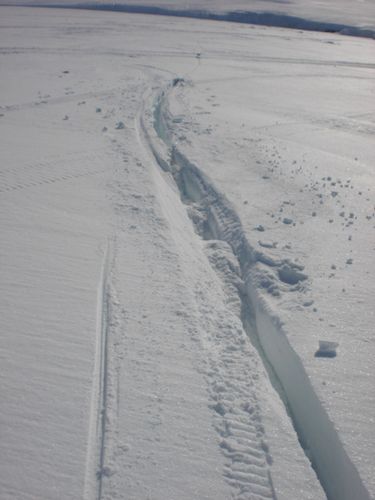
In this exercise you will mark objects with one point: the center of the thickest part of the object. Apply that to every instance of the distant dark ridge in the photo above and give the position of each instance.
(245, 17)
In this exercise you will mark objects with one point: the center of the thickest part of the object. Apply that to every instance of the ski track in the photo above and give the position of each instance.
(98, 409)
(215, 219)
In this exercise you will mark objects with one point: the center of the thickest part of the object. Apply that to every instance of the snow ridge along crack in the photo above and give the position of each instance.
(215, 218)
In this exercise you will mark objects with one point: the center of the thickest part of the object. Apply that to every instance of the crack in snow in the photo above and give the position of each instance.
(215, 218)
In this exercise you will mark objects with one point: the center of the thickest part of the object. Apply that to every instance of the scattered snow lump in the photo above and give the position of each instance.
(326, 349)
(290, 275)
(267, 244)
(287, 221)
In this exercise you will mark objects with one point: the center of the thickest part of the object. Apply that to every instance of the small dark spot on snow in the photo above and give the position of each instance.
(287, 221)
(178, 81)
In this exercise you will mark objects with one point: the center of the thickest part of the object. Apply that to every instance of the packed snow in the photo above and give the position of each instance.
(187, 217)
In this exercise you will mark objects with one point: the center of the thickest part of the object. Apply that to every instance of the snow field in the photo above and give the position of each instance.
(132, 359)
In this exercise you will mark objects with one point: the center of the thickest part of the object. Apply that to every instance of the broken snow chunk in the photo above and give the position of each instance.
(326, 349)
(267, 244)
(259, 228)
(291, 275)
(308, 303)
(286, 220)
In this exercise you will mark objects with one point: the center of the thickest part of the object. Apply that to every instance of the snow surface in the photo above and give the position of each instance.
(187, 216)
